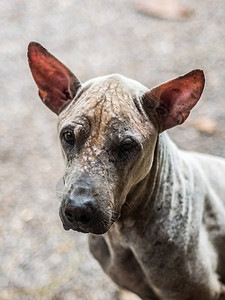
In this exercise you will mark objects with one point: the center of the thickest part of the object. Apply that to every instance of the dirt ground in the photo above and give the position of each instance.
(39, 260)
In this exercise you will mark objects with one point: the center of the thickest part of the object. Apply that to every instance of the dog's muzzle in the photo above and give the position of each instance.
(83, 210)
(79, 215)
(85, 216)
(85, 206)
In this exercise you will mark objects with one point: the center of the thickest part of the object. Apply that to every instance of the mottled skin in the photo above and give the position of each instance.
(158, 227)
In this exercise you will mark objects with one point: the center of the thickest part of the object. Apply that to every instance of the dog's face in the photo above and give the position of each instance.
(108, 130)
(108, 145)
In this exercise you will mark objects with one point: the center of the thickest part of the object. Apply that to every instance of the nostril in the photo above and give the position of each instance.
(69, 215)
(85, 219)
(80, 213)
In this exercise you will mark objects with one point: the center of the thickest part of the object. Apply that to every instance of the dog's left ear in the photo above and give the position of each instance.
(172, 101)
(57, 84)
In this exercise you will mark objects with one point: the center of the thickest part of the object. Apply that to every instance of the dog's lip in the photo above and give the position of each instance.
(67, 226)
(78, 229)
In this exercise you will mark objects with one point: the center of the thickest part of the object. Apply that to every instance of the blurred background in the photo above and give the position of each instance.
(38, 259)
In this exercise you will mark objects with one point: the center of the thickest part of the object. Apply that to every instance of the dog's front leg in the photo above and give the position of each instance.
(120, 264)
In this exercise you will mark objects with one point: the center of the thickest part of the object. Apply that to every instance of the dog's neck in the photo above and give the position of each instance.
(152, 192)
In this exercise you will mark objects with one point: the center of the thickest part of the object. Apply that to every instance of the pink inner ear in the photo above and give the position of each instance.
(47, 71)
(57, 85)
(177, 97)
(174, 107)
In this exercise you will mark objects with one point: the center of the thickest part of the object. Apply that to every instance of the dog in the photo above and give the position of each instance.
(155, 214)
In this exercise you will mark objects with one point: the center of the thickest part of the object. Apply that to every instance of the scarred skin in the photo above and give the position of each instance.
(159, 223)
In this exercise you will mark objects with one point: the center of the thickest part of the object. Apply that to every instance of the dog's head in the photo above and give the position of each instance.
(108, 128)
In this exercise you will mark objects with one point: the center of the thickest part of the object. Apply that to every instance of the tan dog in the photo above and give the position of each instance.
(155, 214)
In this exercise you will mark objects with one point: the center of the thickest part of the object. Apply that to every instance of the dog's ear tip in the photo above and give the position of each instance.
(200, 73)
(203, 75)
(35, 50)
(32, 46)
(201, 78)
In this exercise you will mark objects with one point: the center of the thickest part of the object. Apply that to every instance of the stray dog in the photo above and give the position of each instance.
(155, 214)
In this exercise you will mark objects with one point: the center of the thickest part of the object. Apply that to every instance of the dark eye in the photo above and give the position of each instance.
(127, 144)
(69, 137)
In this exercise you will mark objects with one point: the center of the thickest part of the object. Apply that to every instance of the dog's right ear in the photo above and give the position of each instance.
(57, 84)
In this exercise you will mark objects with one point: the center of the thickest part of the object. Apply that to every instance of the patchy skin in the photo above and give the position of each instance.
(167, 227)
(110, 113)
(158, 227)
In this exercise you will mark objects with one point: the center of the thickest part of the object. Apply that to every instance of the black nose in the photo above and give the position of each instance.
(79, 212)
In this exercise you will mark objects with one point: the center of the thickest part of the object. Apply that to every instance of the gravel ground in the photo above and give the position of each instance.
(39, 260)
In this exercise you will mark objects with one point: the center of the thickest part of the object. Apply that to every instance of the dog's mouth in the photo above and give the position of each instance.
(95, 229)
(68, 226)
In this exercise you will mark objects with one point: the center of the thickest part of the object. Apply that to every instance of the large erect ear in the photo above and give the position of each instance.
(173, 100)
(57, 84)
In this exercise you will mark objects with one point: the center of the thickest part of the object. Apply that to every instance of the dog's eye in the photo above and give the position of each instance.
(69, 137)
(127, 144)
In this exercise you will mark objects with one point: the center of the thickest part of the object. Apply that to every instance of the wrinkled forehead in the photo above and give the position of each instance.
(112, 99)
